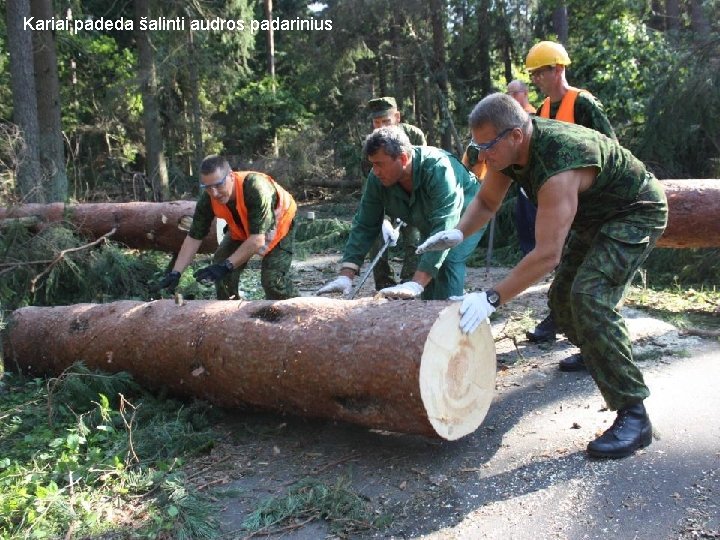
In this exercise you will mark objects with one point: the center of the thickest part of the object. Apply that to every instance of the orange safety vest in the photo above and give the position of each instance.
(566, 112)
(284, 212)
(479, 169)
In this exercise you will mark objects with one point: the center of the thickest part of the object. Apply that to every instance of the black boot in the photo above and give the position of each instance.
(544, 331)
(573, 363)
(630, 431)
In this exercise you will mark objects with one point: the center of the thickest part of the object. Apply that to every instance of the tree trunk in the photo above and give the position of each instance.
(400, 366)
(47, 86)
(694, 207)
(437, 12)
(156, 167)
(140, 225)
(698, 20)
(560, 22)
(19, 42)
(483, 47)
(672, 13)
(194, 98)
(693, 217)
(270, 39)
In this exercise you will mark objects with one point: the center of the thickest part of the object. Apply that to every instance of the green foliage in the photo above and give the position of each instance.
(92, 453)
(320, 235)
(344, 510)
(620, 64)
(98, 274)
(681, 138)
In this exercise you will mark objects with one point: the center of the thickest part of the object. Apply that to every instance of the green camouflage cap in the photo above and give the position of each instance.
(381, 106)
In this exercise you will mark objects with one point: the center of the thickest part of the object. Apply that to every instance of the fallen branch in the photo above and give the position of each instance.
(64, 252)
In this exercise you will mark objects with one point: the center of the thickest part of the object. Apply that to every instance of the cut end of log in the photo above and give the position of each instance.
(457, 375)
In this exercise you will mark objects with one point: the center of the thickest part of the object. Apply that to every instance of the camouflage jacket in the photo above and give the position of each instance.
(623, 190)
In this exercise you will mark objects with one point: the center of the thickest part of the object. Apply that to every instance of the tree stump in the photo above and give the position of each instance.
(396, 365)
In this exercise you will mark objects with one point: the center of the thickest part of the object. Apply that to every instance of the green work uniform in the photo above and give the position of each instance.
(617, 222)
(442, 188)
(409, 235)
(260, 200)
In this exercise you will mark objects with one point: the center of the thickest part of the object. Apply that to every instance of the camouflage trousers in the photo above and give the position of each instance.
(274, 270)
(590, 283)
(383, 273)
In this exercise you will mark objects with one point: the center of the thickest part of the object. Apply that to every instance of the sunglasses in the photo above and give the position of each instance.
(486, 147)
(217, 184)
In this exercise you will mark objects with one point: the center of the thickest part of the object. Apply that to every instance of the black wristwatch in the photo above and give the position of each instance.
(227, 264)
(493, 297)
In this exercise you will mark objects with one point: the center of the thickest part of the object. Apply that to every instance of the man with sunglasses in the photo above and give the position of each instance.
(423, 186)
(546, 61)
(260, 216)
(614, 210)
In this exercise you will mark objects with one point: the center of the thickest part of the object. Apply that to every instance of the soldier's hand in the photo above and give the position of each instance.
(341, 284)
(475, 309)
(405, 291)
(441, 241)
(389, 234)
(212, 273)
(169, 281)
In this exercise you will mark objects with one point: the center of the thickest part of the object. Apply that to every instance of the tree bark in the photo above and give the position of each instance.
(156, 167)
(698, 20)
(19, 42)
(694, 207)
(47, 86)
(483, 47)
(437, 17)
(399, 366)
(140, 225)
(560, 22)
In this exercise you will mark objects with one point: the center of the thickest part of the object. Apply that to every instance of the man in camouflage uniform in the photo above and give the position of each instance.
(547, 62)
(425, 187)
(260, 216)
(589, 186)
(383, 112)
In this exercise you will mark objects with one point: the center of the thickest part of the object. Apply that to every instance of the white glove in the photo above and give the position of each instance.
(389, 233)
(441, 241)
(341, 284)
(405, 291)
(475, 309)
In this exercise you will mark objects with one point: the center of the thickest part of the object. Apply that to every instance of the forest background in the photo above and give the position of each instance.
(124, 115)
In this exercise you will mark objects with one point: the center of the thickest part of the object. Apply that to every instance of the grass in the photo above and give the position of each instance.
(91, 454)
(682, 307)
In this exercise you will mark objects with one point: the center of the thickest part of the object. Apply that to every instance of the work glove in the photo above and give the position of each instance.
(212, 273)
(441, 241)
(169, 281)
(475, 309)
(405, 291)
(341, 284)
(390, 235)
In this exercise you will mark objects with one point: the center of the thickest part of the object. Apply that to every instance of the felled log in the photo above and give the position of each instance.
(694, 207)
(140, 225)
(401, 366)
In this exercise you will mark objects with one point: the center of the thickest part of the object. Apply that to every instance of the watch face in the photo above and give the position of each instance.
(493, 298)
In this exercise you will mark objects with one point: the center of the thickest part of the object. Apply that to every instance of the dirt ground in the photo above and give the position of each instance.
(523, 474)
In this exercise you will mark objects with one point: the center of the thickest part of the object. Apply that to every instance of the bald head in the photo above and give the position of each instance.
(517, 86)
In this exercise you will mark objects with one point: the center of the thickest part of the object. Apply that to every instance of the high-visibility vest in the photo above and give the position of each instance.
(566, 112)
(284, 212)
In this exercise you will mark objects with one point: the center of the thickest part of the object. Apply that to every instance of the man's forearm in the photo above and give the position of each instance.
(251, 246)
(189, 248)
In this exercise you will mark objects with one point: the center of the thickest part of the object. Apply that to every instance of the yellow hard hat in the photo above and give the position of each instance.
(546, 53)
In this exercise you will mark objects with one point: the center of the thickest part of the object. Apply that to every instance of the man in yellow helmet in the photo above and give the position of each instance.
(546, 63)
